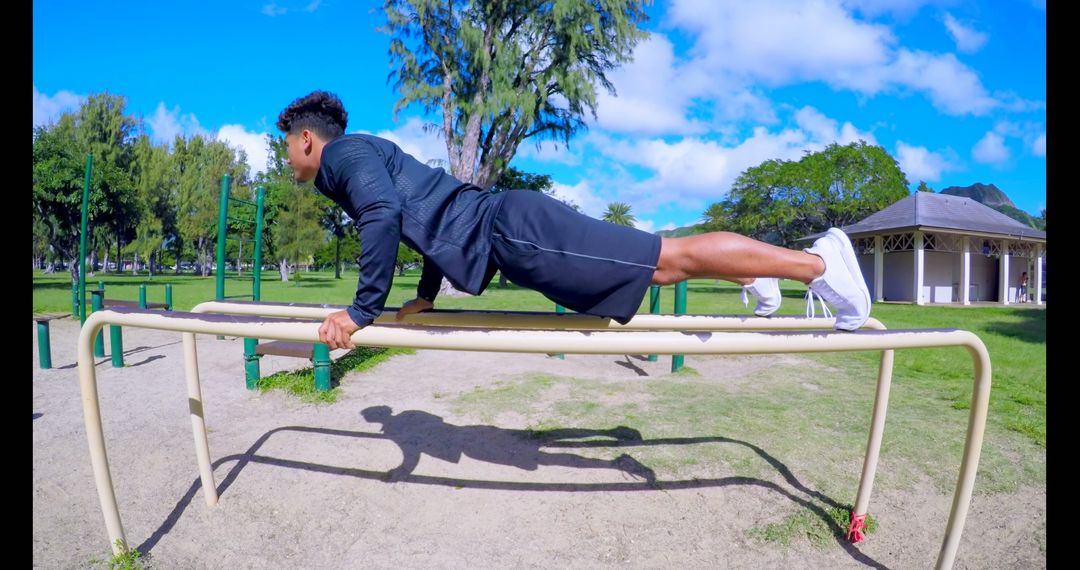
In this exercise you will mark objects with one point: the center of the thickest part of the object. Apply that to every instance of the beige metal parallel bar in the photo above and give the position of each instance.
(571, 321)
(542, 341)
(531, 320)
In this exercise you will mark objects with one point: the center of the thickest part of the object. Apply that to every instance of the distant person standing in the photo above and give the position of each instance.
(1023, 287)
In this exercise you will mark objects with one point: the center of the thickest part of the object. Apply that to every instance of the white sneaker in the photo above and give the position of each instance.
(767, 292)
(842, 284)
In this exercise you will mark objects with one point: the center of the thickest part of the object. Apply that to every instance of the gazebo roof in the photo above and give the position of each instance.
(929, 210)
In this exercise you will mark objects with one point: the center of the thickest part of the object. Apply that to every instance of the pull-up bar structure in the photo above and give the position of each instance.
(530, 333)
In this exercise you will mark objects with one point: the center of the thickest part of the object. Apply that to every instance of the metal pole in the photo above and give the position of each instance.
(256, 284)
(44, 354)
(223, 212)
(82, 239)
(321, 359)
(680, 309)
(116, 346)
(654, 308)
(251, 363)
(97, 304)
(562, 311)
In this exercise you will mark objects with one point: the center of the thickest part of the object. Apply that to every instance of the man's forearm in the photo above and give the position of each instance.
(430, 281)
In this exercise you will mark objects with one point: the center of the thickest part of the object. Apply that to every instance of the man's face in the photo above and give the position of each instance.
(301, 155)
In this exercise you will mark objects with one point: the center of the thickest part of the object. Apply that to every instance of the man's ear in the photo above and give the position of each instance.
(306, 140)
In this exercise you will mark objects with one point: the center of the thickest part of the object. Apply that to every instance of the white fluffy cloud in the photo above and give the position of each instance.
(968, 40)
(166, 124)
(413, 139)
(254, 145)
(778, 41)
(952, 86)
(783, 42)
(692, 172)
(649, 225)
(582, 195)
(824, 130)
(1038, 148)
(899, 8)
(990, 149)
(48, 109)
(273, 9)
(652, 93)
(919, 163)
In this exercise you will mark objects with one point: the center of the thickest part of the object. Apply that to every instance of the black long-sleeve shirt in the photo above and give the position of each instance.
(393, 197)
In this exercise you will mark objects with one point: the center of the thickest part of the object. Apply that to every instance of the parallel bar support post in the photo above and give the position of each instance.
(44, 353)
(251, 363)
(321, 358)
(680, 309)
(97, 303)
(560, 310)
(654, 308)
(116, 346)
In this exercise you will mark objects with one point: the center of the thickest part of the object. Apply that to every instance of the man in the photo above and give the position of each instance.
(466, 233)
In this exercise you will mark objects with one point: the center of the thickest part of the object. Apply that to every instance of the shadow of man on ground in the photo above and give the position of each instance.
(417, 432)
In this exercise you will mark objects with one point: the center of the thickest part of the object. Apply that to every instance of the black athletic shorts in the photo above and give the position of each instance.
(584, 264)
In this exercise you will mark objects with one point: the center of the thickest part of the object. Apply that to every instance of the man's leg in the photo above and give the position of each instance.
(732, 257)
(829, 267)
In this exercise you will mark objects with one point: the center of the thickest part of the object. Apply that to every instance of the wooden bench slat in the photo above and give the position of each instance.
(131, 304)
(47, 318)
(286, 348)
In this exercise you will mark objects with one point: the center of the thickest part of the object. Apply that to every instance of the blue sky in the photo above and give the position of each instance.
(955, 90)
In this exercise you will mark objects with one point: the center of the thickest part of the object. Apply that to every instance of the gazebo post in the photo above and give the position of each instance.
(965, 272)
(1003, 274)
(879, 269)
(1038, 275)
(919, 266)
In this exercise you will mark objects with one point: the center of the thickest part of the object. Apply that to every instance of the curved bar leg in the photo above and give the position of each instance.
(873, 446)
(198, 422)
(96, 438)
(980, 400)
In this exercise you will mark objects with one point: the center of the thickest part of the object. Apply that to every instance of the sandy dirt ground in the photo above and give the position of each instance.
(349, 485)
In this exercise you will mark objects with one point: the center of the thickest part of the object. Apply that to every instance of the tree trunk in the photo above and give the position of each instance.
(119, 259)
(204, 259)
(283, 269)
(239, 258)
(135, 264)
(337, 257)
(179, 250)
(446, 289)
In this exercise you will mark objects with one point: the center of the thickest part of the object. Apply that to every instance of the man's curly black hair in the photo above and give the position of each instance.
(320, 112)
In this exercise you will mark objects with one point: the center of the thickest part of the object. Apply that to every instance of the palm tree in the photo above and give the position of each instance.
(619, 213)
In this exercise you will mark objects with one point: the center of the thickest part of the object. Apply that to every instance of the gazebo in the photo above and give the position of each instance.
(937, 248)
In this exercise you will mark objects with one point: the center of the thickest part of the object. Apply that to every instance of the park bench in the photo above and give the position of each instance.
(44, 350)
(317, 353)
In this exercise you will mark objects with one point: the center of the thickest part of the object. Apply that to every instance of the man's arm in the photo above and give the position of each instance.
(430, 281)
(426, 291)
(363, 181)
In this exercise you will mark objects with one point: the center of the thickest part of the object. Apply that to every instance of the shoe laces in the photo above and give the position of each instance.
(810, 311)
